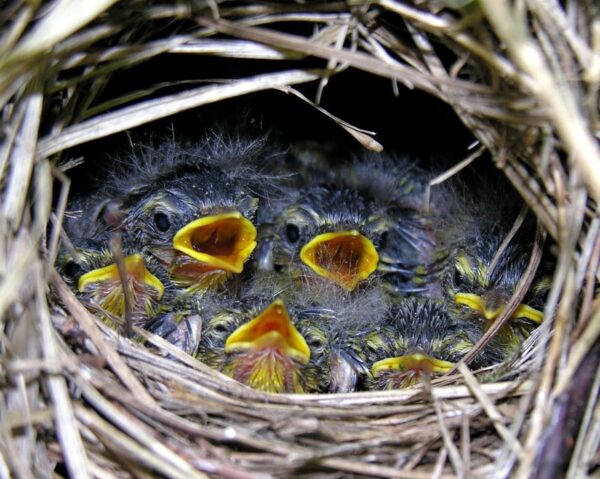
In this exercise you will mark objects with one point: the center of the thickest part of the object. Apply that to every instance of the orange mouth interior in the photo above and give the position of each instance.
(221, 241)
(346, 258)
(272, 328)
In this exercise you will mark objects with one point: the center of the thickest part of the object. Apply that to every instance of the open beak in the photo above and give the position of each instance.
(271, 329)
(134, 270)
(477, 303)
(106, 287)
(346, 257)
(405, 371)
(222, 241)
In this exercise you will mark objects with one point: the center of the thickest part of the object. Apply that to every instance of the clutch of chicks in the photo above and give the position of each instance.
(293, 273)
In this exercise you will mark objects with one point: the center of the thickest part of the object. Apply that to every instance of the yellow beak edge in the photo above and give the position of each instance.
(271, 328)
(477, 303)
(224, 241)
(134, 268)
(346, 257)
(412, 362)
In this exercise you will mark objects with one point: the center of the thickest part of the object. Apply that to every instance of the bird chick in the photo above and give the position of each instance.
(482, 271)
(342, 327)
(360, 226)
(426, 341)
(91, 270)
(331, 233)
(193, 216)
(260, 342)
(482, 283)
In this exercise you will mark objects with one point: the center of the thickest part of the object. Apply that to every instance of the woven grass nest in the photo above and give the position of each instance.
(522, 76)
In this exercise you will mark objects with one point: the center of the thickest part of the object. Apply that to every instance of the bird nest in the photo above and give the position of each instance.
(522, 76)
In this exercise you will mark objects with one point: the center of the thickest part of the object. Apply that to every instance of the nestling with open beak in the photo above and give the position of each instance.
(329, 233)
(91, 270)
(261, 342)
(194, 215)
(342, 328)
(349, 231)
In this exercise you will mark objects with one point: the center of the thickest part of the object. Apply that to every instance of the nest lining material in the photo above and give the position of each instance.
(524, 79)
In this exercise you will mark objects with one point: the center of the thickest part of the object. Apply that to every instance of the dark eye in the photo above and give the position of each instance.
(292, 232)
(456, 277)
(72, 269)
(162, 222)
(220, 328)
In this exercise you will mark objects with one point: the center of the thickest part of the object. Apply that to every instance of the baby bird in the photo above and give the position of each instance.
(261, 342)
(426, 341)
(91, 270)
(193, 212)
(481, 273)
(342, 327)
(482, 283)
(328, 231)
(346, 231)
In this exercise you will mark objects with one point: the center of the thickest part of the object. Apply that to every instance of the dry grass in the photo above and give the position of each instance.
(524, 79)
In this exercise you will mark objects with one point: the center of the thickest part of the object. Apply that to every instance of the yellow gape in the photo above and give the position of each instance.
(345, 258)
(222, 241)
(269, 352)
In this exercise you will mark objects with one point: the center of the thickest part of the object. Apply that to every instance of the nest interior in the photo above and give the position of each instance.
(511, 86)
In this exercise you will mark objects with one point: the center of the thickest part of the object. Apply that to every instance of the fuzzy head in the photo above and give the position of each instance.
(345, 331)
(329, 233)
(427, 341)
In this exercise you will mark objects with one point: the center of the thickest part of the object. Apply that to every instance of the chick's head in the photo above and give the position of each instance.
(196, 222)
(261, 344)
(331, 233)
(427, 341)
(102, 283)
